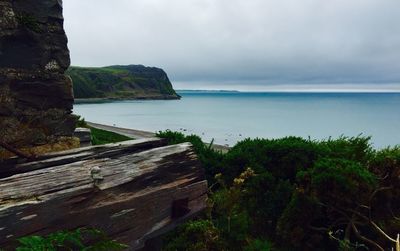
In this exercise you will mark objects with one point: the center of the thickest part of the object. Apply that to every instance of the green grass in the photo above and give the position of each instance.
(101, 137)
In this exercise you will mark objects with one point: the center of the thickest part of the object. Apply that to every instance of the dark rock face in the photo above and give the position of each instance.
(32, 35)
(33, 58)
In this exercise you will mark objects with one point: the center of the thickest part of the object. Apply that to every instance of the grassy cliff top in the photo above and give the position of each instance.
(121, 81)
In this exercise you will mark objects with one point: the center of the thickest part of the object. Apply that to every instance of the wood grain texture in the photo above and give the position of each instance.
(19, 165)
(127, 190)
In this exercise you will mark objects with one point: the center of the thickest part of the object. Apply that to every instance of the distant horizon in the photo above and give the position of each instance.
(327, 86)
(316, 88)
(292, 91)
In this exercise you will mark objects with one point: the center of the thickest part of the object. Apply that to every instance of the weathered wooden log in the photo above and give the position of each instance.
(19, 165)
(131, 191)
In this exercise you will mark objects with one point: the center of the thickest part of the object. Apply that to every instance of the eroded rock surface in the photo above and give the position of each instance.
(33, 58)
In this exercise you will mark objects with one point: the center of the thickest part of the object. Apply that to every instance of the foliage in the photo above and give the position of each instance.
(337, 181)
(232, 220)
(69, 240)
(293, 225)
(258, 245)
(100, 137)
(228, 231)
(199, 235)
(81, 122)
(210, 158)
(306, 195)
(283, 158)
(266, 207)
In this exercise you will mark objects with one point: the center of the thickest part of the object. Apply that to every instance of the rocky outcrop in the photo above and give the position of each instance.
(121, 82)
(34, 92)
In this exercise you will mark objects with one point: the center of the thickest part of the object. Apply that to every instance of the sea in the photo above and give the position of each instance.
(228, 117)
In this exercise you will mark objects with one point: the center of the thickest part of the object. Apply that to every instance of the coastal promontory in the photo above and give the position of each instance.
(121, 82)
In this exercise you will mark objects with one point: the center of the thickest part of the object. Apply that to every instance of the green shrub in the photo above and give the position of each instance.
(258, 245)
(350, 148)
(305, 195)
(283, 158)
(200, 235)
(338, 181)
(210, 158)
(230, 217)
(80, 122)
(265, 198)
(293, 225)
(69, 240)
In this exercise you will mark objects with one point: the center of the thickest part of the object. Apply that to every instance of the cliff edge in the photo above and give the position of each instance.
(121, 82)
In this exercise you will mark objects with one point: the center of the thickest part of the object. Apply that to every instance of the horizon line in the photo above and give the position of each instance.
(298, 90)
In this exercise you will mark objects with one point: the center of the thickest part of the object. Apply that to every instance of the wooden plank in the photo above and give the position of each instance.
(130, 196)
(17, 165)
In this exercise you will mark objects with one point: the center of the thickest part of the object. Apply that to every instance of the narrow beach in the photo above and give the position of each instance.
(139, 134)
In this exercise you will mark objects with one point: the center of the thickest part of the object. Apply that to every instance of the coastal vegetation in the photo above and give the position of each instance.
(70, 240)
(121, 82)
(283, 194)
(101, 137)
(295, 194)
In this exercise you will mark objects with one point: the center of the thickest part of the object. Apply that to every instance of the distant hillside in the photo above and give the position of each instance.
(130, 81)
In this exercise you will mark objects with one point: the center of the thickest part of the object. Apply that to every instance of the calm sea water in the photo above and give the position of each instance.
(231, 117)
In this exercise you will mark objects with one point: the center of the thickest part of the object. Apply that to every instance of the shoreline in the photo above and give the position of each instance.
(139, 134)
(109, 99)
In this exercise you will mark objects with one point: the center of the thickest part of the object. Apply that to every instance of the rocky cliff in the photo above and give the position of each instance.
(34, 92)
(130, 82)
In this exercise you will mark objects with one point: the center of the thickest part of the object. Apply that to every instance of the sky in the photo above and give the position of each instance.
(244, 44)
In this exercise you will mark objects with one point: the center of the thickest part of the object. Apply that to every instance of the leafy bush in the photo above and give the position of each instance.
(281, 157)
(200, 235)
(69, 240)
(337, 181)
(337, 203)
(258, 245)
(265, 198)
(80, 122)
(293, 225)
(229, 216)
(350, 148)
(210, 158)
(305, 195)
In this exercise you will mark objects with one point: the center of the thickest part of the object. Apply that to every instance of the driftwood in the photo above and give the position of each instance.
(132, 191)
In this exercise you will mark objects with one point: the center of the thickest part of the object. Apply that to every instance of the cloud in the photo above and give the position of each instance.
(260, 41)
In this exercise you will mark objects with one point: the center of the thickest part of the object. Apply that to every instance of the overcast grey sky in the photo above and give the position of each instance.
(243, 44)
